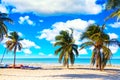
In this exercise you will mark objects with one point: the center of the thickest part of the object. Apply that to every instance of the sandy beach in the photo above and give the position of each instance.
(58, 72)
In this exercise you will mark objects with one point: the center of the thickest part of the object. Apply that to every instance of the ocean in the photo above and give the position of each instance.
(53, 61)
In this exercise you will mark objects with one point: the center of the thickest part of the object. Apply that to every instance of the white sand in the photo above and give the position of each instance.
(57, 72)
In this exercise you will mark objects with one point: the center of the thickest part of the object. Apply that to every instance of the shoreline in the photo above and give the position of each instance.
(59, 72)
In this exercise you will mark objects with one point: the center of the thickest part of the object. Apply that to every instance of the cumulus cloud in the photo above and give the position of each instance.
(28, 44)
(3, 9)
(41, 54)
(115, 25)
(113, 35)
(27, 51)
(20, 34)
(50, 55)
(26, 19)
(77, 24)
(83, 51)
(114, 49)
(41, 21)
(58, 6)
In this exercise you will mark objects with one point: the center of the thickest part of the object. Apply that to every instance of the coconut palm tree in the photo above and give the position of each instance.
(99, 40)
(3, 27)
(14, 44)
(113, 4)
(67, 49)
(115, 42)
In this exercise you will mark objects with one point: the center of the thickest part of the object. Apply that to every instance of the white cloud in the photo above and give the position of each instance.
(3, 9)
(113, 35)
(115, 25)
(41, 21)
(20, 34)
(50, 55)
(77, 24)
(54, 6)
(114, 49)
(41, 54)
(26, 19)
(83, 51)
(27, 51)
(28, 44)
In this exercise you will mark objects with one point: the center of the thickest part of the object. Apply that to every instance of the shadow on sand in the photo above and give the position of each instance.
(114, 76)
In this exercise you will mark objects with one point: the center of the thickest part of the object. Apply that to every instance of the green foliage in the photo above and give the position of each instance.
(14, 43)
(3, 27)
(99, 40)
(67, 49)
(115, 5)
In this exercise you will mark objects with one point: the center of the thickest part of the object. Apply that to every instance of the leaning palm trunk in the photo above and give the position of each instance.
(14, 60)
(14, 56)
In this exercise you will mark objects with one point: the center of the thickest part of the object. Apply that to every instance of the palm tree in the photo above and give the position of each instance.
(67, 49)
(3, 27)
(14, 44)
(113, 4)
(99, 40)
(114, 42)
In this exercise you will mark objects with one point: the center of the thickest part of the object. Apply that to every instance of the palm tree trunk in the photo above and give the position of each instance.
(67, 64)
(100, 65)
(98, 62)
(14, 55)
(14, 60)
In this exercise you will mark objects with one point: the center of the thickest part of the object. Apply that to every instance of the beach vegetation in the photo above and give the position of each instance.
(99, 40)
(67, 47)
(115, 6)
(14, 44)
(3, 28)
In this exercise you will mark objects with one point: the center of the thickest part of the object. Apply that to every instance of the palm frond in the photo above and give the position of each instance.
(93, 57)
(114, 14)
(75, 49)
(86, 44)
(72, 58)
(11, 46)
(61, 56)
(106, 55)
(19, 46)
(6, 19)
(58, 50)
(3, 28)
(114, 42)
(59, 43)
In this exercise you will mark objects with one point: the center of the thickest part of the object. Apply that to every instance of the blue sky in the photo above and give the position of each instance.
(39, 21)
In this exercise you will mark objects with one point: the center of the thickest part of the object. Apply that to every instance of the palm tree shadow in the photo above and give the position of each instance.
(88, 76)
(115, 76)
(79, 76)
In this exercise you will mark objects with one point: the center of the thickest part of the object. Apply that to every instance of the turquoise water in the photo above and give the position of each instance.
(53, 61)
